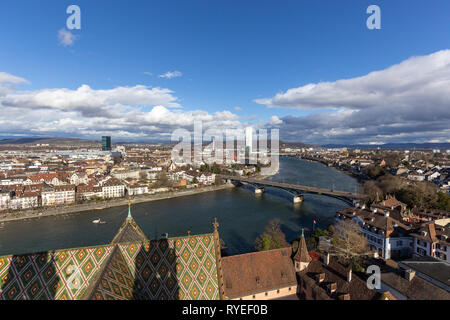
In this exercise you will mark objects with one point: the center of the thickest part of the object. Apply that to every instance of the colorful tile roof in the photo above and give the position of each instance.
(175, 268)
(59, 275)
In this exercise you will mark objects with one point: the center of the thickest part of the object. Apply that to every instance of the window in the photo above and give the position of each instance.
(399, 243)
(421, 251)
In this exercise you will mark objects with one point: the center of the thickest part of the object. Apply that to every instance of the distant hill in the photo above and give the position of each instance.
(50, 141)
(285, 144)
(400, 146)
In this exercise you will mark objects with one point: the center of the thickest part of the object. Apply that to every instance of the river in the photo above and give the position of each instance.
(241, 214)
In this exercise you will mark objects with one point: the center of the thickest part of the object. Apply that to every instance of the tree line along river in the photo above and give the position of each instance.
(241, 214)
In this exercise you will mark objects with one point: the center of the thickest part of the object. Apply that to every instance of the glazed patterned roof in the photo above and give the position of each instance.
(59, 275)
(129, 232)
(175, 268)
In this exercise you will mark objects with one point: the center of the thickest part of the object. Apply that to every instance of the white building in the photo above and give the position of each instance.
(434, 241)
(385, 235)
(137, 189)
(58, 195)
(5, 199)
(25, 201)
(112, 188)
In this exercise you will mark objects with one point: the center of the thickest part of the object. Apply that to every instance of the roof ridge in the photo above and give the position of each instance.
(256, 252)
(87, 295)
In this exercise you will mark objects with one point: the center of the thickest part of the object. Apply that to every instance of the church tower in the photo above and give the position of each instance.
(301, 257)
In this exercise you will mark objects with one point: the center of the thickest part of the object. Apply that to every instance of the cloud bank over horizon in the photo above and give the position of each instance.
(407, 102)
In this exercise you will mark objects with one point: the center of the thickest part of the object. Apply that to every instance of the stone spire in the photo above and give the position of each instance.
(301, 257)
(129, 210)
(215, 225)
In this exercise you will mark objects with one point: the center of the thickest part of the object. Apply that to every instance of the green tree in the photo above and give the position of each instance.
(443, 202)
(215, 168)
(272, 238)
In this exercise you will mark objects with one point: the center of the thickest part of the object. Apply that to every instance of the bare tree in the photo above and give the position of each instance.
(272, 238)
(372, 190)
(348, 242)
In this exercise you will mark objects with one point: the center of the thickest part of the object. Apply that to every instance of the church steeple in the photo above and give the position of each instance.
(129, 231)
(301, 257)
(129, 210)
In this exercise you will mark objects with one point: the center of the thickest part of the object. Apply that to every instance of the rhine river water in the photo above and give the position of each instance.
(241, 214)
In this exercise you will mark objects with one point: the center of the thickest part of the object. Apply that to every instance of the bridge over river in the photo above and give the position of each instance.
(297, 191)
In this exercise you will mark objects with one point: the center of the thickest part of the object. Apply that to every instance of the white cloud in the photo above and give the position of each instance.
(9, 78)
(137, 112)
(91, 102)
(66, 38)
(238, 109)
(274, 120)
(170, 74)
(407, 102)
(415, 82)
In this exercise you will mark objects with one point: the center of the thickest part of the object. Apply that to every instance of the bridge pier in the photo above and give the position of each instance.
(297, 199)
(259, 190)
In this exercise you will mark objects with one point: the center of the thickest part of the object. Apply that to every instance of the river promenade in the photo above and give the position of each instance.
(98, 205)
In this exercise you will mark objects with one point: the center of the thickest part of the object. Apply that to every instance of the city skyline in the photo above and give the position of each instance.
(280, 65)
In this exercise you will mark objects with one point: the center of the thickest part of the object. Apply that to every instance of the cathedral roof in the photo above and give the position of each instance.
(131, 267)
(129, 232)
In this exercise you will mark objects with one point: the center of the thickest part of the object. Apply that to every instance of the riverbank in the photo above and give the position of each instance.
(350, 173)
(79, 208)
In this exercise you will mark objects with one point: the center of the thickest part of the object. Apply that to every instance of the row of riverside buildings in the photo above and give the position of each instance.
(62, 188)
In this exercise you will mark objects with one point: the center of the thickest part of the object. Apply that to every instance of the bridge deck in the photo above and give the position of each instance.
(297, 187)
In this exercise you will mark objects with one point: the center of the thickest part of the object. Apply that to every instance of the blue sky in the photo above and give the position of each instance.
(229, 54)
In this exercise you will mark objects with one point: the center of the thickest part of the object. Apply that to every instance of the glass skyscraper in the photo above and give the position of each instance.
(106, 143)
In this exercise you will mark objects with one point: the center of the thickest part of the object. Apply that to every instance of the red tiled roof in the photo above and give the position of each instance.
(254, 272)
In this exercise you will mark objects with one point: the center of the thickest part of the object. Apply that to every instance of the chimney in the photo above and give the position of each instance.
(349, 275)
(409, 274)
(326, 258)
(320, 277)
